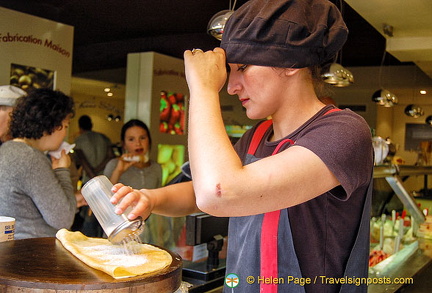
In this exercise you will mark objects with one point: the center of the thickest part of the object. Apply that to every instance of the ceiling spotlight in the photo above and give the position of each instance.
(384, 98)
(414, 111)
(336, 75)
(423, 92)
(217, 23)
(107, 89)
(388, 29)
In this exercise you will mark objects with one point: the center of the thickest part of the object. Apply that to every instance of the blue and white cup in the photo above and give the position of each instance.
(7, 228)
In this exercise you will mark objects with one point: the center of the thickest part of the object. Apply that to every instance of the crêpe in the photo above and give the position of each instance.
(115, 260)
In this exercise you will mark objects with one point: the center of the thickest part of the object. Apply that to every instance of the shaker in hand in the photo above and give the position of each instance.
(97, 192)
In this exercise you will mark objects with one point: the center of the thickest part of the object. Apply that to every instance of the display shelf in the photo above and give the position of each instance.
(382, 171)
(411, 261)
(394, 261)
(405, 273)
(392, 174)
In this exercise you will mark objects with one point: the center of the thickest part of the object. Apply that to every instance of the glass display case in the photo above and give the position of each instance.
(409, 254)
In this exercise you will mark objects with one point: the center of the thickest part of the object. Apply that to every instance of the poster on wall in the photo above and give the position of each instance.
(29, 77)
(171, 158)
(172, 113)
(35, 52)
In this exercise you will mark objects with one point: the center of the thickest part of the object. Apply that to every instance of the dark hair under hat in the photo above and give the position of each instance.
(284, 33)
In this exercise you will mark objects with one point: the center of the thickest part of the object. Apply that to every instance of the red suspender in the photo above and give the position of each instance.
(270, 224)
(332, 110)
(287, 140)
(258, 135)
(269, 250)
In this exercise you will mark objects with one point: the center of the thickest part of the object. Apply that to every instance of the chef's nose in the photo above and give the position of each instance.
(234, 86)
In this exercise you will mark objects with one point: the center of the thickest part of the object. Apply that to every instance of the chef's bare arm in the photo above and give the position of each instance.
(173, 200)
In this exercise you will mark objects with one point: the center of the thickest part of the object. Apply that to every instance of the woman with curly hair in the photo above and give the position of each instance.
(34, 189)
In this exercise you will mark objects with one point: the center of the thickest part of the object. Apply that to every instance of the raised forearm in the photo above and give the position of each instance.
(214, 162)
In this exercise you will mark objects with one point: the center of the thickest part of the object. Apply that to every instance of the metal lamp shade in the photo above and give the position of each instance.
(217, 23)
(414, 111)
(384, 98)
(336, 75)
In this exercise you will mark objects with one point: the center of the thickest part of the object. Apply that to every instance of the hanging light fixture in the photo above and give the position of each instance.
(216, 25)
(382, 96)
(334, 73)
(413, 110)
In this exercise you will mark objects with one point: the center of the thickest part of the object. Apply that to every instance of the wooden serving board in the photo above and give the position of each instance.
(43, 264)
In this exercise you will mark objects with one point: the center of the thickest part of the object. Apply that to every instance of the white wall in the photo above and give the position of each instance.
(98, 108)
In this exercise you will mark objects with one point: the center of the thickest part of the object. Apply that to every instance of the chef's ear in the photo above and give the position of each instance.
(291, 71)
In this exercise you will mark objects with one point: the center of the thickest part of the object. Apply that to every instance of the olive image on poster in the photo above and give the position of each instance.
(27, 77)
(171, 158)
(172, 113)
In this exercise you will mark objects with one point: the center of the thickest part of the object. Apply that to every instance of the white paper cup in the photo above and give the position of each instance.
(7, 228)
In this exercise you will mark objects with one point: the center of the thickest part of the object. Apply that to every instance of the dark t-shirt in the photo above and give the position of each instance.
(324, 228)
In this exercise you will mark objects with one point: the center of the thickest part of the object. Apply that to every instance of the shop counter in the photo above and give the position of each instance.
(406, 272)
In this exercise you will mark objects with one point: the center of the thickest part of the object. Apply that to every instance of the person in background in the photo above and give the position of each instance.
(297, 188)
(94, 149)
(34, 189)
(136, 169)
(8, 96)
(92, 152)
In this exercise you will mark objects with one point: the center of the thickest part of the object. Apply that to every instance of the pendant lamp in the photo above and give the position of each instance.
(414, 111)
(216, 25)
(336, 75)
(384, 97)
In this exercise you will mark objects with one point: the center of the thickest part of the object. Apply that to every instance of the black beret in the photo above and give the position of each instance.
(284, 33)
